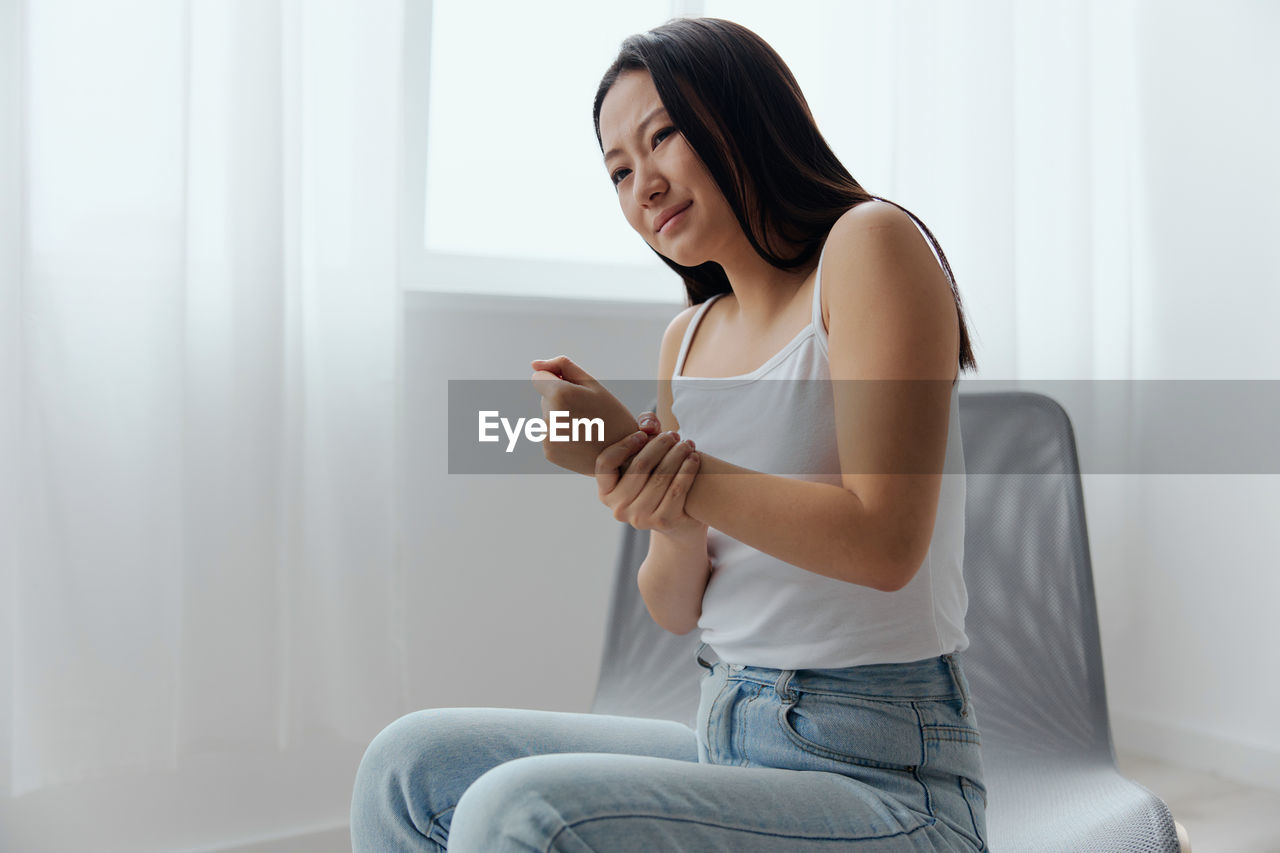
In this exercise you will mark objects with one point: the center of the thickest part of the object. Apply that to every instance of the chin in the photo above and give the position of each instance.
(683, 254)
(684, 259)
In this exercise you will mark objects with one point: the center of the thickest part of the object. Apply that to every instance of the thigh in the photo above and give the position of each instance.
(574, 803)
(415, 771)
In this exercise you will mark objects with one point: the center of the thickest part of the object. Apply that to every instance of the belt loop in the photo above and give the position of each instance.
(698, 654)
(955, 679)
(783, 685)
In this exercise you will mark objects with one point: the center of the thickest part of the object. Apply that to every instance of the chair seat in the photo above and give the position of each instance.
(1050, 804)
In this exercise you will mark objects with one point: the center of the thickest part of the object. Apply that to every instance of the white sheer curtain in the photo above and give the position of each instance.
(1013, 130)
(1018, 124)
(199, 390)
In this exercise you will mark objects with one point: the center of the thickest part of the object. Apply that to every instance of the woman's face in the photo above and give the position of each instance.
(654, 171)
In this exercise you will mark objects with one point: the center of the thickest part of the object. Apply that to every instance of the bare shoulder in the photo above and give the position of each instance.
(892, 310)
(669, 352)
(871, 216)
(877, 242)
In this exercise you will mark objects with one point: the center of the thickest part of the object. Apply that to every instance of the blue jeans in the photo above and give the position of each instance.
(884, 757)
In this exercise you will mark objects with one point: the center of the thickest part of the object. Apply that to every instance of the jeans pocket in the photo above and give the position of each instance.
(976, 797)
(868, 732)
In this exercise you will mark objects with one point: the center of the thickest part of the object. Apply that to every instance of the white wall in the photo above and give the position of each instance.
(1188, 584)
(509, 575)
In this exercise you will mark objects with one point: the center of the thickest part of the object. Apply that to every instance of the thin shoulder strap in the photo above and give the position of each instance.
(817, 289)
(688, 333)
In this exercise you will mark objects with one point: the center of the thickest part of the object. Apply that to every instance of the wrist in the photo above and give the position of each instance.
(691, 536)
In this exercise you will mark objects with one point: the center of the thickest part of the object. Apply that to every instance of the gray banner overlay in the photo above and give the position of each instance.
(1205, 426)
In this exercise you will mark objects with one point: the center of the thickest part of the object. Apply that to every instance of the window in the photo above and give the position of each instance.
(506, 191)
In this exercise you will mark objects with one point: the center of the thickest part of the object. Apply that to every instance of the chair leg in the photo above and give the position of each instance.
(1184, 841)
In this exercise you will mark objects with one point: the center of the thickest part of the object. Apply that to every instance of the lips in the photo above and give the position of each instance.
(668, 213)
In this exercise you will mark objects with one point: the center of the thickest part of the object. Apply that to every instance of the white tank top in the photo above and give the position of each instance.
(760, 611)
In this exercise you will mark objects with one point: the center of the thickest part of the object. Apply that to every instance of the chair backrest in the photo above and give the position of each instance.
(645, 671)
(1034, 662)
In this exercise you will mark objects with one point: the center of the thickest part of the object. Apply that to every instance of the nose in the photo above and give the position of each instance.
(649, 183)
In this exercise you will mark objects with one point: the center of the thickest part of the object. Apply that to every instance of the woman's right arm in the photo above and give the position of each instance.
(675, 573)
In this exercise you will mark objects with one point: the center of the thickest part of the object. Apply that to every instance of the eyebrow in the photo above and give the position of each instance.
(639, 130)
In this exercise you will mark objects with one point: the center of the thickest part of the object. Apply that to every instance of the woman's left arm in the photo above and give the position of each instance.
(894, 340)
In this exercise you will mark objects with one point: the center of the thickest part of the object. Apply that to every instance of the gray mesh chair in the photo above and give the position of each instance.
(1034, 662)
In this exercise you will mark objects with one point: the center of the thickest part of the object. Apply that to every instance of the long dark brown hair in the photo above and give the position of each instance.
(741, 110)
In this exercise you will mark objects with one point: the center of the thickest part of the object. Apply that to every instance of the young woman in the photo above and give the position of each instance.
(825, 573)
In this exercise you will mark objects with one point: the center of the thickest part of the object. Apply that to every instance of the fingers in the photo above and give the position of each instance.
(564, 368)
(611, 458)
(545, 382)
(655, 487)
(650, 426)
(623, 488)
(671, 507)
(651, 494)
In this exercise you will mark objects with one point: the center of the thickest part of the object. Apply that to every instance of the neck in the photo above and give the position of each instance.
(761, 291)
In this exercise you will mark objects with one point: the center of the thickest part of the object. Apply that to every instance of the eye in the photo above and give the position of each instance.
(614, 177)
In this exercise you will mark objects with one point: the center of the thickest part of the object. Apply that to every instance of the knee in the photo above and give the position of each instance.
(512, 807)
(393, 781)
(403, 750)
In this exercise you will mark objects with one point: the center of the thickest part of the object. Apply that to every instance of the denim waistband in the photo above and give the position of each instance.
(939, 677)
